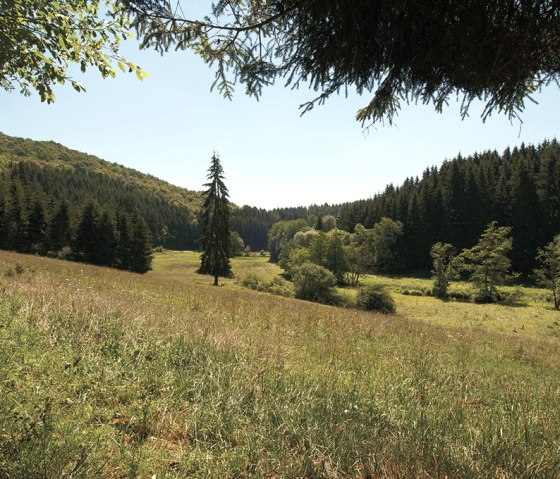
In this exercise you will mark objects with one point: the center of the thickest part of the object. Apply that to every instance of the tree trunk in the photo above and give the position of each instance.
(215, 280)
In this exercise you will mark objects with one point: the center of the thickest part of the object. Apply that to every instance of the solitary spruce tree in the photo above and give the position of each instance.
(215, 238)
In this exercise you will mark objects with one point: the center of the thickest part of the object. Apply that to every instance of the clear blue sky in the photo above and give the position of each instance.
(170, 124)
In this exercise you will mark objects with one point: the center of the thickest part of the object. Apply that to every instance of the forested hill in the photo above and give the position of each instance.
(51, 172)
(48, 172)
(454, 203)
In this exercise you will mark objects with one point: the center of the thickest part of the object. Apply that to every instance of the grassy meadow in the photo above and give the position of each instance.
(105, 373)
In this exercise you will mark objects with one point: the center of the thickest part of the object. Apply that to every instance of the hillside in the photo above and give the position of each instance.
(54, 172)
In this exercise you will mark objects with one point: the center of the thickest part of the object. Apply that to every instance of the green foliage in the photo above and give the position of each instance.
(548, 275)
(387, 48)
(140, 245)
(253, 224)
(53, 173)
(313, 283)
(360, 254)
(280, 234)
(336, 260)
(39, 40)
(295, 258)
(488, 262)
(328, 223)
(275, 285)
(445, 268)
(385, 236)
(373, 297)
(237, 244)
(215, 240)
(519, 187)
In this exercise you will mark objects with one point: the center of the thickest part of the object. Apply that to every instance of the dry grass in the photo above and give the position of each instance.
(164, 374)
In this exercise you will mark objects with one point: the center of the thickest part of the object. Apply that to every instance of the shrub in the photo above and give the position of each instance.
(460, 294)
(375, 298)
(313, 283)
(250, 281)
(416, 292)
(280, 286)
(276, 285)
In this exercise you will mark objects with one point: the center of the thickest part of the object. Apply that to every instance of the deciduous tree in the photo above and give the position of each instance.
(40, 39)
(445, 267)
(548, 275)
(488, 261)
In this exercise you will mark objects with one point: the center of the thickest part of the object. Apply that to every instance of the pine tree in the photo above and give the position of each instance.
(140, 246)
(124, 255)
(106, 241)
(16, 223)
(59, 232)
(86, 242)
(215, 238)
(37, 226)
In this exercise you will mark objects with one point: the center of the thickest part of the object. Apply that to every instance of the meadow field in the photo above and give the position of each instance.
(105, 373)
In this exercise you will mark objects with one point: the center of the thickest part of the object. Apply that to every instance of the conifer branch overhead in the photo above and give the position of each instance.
(399, 51)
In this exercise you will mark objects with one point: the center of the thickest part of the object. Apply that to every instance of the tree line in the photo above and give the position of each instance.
(31, 222)
(253, 224)
(317, 258)
(454, 203)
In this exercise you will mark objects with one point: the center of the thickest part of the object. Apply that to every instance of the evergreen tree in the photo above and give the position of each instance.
(140, 246)
(37, 226)
(106, 241)
(215, 238)
(3, 217)
(86, 243)
(124, 254)
(59, 232)
(16, 224)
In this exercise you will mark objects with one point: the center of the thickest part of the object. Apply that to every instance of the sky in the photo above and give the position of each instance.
(170, 124)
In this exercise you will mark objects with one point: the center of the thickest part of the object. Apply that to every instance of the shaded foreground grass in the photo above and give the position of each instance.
(111, 374)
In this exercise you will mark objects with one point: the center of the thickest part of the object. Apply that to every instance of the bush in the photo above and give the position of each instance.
(460, 294)
(313, 283)
(276, 285)
(375, 298)
(416, 292)
(251, 281)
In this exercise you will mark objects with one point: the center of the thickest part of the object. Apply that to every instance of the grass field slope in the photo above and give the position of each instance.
(105, 373)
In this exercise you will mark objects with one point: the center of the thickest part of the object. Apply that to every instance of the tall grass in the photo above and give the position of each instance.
(111, 374)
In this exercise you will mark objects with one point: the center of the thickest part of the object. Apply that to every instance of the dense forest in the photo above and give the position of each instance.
(454, 203)
(54, 173)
